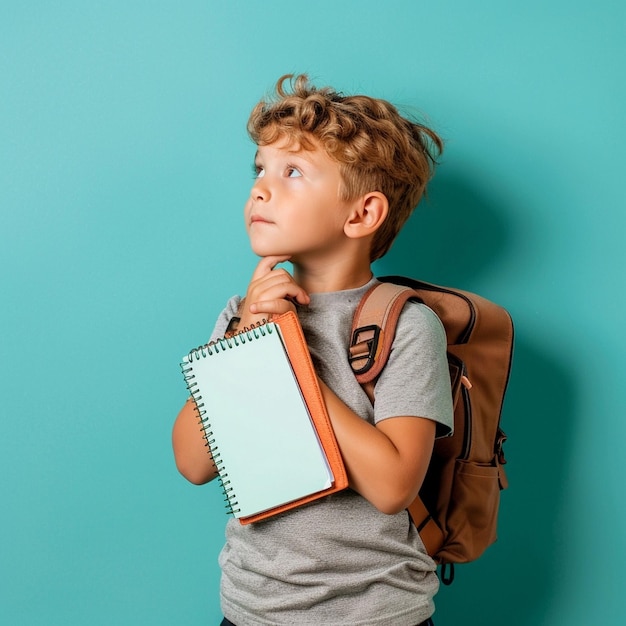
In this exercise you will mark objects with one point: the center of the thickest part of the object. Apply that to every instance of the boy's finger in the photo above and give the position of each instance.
(279, 288)
(267, 264)
(272, 307)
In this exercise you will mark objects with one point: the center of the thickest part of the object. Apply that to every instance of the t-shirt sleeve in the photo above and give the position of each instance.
(416, 379)
(232, 306)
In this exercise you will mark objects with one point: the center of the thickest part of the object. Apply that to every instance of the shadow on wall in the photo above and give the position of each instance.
(455, 237)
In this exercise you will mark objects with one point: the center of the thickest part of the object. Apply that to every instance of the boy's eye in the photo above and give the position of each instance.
(293, 172)
(259, 171)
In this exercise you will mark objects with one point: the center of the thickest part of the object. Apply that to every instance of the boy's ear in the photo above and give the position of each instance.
(368, 213)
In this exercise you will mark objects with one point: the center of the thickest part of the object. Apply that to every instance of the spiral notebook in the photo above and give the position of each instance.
(264, 419)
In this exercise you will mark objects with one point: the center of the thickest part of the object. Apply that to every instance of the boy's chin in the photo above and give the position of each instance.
(263, 251)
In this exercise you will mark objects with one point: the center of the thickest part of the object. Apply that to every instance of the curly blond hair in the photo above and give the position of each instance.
(377, 148)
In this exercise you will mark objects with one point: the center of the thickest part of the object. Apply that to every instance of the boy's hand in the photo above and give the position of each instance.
(270, 292)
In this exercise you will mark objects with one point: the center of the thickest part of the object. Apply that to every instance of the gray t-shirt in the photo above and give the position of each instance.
(339, 561)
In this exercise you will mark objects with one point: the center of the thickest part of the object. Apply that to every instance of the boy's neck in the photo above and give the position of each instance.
(337, 276)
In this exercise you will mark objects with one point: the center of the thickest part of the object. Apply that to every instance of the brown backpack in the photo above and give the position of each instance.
(456, 511)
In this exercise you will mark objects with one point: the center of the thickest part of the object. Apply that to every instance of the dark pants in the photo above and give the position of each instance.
(428, 622)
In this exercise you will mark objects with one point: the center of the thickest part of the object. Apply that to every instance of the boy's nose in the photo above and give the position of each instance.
(260, 191)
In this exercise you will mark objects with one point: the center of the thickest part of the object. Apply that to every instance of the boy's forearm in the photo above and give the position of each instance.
(192, 455)
(387, 463)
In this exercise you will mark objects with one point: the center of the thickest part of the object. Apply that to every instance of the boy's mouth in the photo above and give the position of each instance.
(258, 219)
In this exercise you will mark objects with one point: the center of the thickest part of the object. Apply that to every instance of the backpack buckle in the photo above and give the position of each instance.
(364, 346)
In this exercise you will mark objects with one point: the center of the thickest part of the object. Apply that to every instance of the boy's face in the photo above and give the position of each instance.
(294, 207)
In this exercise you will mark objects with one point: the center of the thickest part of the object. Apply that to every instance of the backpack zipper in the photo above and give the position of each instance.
(467, 437)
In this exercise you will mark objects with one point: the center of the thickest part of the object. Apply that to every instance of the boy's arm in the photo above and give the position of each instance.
(386, 463)
(191, 453)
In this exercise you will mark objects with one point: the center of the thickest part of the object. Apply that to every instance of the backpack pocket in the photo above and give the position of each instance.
(471, 519)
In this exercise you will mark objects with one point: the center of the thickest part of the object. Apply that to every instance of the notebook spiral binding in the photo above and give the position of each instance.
(226, 343)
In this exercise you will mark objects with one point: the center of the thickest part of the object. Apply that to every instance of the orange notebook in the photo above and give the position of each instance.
(264, 419)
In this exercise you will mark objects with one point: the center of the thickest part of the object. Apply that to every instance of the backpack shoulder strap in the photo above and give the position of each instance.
(374, 329)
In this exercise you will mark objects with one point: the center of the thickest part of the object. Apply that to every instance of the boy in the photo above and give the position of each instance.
(336, 178)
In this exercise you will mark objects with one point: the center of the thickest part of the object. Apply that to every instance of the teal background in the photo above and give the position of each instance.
(124, 165)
